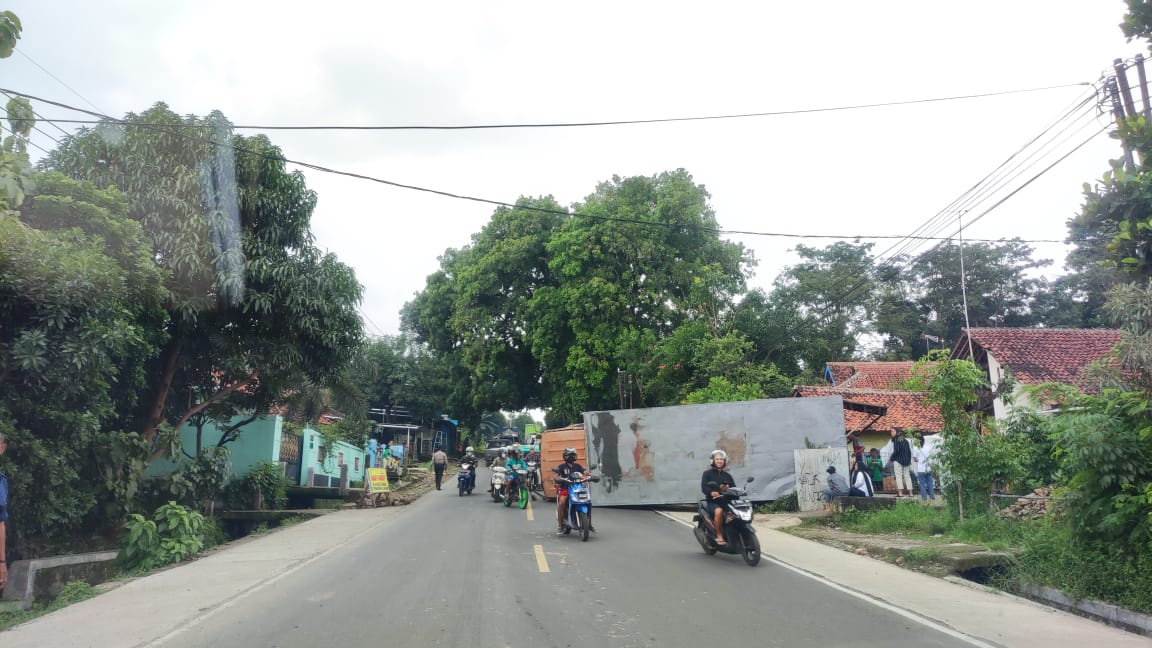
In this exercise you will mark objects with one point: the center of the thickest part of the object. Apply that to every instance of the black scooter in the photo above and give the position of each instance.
(739, 533)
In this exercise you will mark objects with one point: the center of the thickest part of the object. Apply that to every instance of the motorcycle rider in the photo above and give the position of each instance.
(513, 463)
(714, 483)
(565, 470)
(469, 458)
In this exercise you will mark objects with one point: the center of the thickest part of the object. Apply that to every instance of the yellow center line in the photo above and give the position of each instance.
(529, 509)
(541, 561)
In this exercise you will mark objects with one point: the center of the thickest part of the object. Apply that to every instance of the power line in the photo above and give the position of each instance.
(945, 214)
(617, 122)
(21, 52)
(559, 212)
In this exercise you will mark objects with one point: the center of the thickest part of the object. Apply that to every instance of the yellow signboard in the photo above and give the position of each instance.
(378, 480)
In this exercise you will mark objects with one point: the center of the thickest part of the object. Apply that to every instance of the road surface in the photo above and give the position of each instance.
(465, 571)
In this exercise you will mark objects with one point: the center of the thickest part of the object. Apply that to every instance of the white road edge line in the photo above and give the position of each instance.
(243, 594)
(908, 614)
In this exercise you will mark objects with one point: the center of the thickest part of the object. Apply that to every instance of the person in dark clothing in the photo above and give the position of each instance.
(901, 460)
(566, 470)
(3, 519)
(714, 483)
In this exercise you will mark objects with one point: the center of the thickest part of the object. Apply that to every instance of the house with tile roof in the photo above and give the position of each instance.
(872, 414)
(868, 375)
(1032, 356)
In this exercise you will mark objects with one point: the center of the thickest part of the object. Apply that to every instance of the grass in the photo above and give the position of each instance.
(928, 522)
(923, 556)
(73, 592)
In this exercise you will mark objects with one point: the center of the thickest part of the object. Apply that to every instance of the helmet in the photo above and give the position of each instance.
(468, 450)
(569, 454)
(718, 454)
(514, 453)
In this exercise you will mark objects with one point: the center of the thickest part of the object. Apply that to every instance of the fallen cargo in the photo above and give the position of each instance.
(656, 455)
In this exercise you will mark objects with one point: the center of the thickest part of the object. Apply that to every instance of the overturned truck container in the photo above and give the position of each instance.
(657, 455)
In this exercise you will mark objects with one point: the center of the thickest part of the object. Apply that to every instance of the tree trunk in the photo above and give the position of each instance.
(155, 414)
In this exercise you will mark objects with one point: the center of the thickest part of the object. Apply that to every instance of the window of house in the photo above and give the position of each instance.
(339, 458)
(356, 463)
(321, 454)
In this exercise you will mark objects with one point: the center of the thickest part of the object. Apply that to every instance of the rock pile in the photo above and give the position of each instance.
(1029, 507)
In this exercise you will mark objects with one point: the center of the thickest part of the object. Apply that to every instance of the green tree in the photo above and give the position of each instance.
(831, 288)
(253, 307)
(79, 314)
(544, 308)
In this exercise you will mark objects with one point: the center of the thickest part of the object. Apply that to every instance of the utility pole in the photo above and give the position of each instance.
(1143, 78)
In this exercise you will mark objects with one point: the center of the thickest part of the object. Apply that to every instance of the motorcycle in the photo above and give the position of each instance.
(534, 483)
(516, 489)
(578, 517)
(737, 520)
(499, 477)
(466, 478)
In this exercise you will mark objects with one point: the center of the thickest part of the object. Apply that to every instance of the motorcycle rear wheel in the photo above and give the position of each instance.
(751, 548)
(585, 525)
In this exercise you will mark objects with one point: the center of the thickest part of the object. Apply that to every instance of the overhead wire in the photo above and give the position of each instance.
(989, 190)
(583, 124)
(945, 214)
(104, 119)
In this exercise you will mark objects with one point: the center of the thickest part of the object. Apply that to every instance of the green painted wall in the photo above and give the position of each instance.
(328, 471)
(258, 441)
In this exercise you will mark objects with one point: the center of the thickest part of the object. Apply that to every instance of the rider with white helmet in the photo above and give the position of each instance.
(714, 483)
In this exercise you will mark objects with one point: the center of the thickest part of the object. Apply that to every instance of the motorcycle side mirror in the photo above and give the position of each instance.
(556, 469)
(749, 480)
(595, 480)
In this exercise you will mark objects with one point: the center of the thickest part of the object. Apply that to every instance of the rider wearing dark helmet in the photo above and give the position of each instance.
(565, 470)
(714, 483)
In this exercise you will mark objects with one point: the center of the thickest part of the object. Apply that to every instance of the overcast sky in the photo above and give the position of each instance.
(865, 172)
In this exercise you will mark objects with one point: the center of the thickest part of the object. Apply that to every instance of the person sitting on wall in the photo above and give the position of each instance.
(861, 483)
(837, 487)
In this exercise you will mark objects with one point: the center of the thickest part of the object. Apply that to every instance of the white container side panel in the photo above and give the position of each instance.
(657, 455)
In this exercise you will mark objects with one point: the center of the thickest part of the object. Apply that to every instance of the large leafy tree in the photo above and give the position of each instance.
(544, 307)
(80, 315)
(832, 291)
(252, 306)
(926, 295)
(642, 259)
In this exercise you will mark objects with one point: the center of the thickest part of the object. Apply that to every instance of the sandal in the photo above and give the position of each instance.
(720, 543)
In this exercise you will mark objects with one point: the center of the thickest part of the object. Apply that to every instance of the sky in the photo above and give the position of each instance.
(870, 171)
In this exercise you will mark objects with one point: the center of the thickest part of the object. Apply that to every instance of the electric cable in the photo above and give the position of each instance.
(615, 122)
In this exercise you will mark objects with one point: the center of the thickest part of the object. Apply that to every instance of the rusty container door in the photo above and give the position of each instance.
(552, 450)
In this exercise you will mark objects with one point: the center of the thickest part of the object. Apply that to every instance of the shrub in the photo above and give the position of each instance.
(173, 534)
(787, 504)
(267, 479)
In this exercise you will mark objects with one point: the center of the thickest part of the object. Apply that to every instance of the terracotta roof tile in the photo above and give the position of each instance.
(906, 410)
(1036, 356)
(870, 375)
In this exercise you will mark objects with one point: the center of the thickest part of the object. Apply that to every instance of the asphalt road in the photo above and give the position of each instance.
(465, 571)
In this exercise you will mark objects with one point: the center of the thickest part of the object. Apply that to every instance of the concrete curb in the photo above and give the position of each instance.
(21, 588)
(1105, 612)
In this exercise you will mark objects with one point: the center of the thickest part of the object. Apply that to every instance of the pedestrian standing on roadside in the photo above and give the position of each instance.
(439, 462)
(875, 466)
(922, 456)
(901, 463)
(3, 519)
